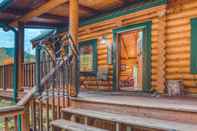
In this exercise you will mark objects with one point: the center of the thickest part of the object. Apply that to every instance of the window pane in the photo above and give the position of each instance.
(86, 58)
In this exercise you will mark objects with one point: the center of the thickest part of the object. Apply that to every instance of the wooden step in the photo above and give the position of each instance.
(72, 126)
(133, 120)
(166, 109)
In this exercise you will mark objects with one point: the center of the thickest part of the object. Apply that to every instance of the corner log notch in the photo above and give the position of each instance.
(38, 11)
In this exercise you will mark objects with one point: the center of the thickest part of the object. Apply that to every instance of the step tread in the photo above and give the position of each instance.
(72, 126)
(133, 120)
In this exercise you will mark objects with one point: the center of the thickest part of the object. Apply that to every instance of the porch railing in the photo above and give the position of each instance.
(43, 102)
(29, 70)
(6, 76)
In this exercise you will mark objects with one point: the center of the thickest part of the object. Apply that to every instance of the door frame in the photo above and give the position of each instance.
(146, 78)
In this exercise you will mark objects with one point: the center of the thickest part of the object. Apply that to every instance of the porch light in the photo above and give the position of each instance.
(103, 40)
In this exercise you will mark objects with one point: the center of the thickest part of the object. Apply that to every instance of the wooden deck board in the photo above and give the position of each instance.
(134, 120)
(187, 104)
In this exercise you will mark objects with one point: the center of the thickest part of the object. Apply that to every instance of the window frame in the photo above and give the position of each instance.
(193, 46)
(92, 43)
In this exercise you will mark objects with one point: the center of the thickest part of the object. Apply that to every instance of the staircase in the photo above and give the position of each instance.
(75, 119)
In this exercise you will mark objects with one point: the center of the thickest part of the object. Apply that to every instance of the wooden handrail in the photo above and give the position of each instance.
(9, 110)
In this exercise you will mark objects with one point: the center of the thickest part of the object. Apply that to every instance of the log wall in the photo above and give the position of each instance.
(97, 30)
(170, 41)
(178, 39)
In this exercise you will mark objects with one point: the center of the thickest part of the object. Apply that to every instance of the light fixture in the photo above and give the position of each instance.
(103, 40)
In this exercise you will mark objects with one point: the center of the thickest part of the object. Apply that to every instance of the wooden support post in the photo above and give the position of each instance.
(18, 68)
(18, 60)
(73, 30)
(161, 56)
(20, 55)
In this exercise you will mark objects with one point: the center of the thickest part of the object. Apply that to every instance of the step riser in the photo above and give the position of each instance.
(180, 116)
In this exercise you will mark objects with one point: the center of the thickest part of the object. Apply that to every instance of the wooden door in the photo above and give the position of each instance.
(131, 60)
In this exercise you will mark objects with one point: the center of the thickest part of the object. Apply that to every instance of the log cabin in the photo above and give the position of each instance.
(115, 65)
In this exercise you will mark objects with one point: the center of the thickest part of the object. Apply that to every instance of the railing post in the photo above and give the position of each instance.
(38, 77)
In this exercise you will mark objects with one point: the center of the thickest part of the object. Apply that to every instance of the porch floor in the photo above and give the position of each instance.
(184, 103)
(136, 99)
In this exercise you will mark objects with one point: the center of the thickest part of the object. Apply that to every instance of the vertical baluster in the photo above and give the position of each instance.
(26, 119)
(53, 96)
(68, 83)
(34, 115)
(41, 114)
(15, 123)
(58, 91)
(3, 77)
(32, 75)
(7, 80)
(47, 97)
(63, 84)
(29, 74)
(38, 114)
(0, 78)
(24, 74)
(6, 127)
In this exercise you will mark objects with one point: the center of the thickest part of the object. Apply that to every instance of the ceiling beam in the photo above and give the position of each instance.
(32, 24)
(89, 9)
(38, 11)
(130, 2)
(19, 13)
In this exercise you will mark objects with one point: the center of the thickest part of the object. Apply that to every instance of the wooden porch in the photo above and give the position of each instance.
(54, 93)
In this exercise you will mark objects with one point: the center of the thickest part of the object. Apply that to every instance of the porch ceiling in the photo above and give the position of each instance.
(56, 15)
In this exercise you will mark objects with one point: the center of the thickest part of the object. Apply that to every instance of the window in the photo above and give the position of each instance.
(193, 62)
(88, 57)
